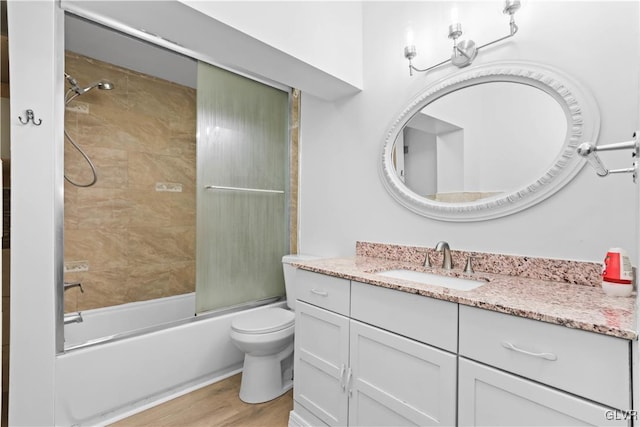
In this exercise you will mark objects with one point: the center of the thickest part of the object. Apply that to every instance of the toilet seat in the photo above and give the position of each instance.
(263, 321)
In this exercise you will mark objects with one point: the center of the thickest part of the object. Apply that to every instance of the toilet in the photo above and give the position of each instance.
(266, 338)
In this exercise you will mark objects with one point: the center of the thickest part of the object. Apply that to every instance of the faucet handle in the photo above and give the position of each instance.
(427, 262)
(469, 267)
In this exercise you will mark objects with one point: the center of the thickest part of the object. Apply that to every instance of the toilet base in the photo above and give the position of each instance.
(266, 377)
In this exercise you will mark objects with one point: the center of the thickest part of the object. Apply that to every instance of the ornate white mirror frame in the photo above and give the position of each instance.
(583, 124)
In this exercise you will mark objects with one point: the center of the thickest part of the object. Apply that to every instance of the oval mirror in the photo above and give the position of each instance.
(488, 141)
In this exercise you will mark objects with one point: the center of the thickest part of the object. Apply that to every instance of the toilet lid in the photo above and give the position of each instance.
(263, 321)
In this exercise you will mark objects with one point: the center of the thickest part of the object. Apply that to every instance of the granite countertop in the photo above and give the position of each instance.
(568, 304)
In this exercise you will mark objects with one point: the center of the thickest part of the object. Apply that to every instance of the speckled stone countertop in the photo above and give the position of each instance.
(559, 301)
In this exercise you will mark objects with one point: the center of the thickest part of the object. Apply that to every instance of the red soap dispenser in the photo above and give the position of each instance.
(617, 273)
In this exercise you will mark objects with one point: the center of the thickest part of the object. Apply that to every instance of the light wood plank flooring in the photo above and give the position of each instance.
(216, 405)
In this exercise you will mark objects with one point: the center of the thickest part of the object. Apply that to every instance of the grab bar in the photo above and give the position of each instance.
(253, 190)
(589, 152)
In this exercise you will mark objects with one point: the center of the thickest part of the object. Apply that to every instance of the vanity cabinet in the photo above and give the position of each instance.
(348, 372)
(371, 356)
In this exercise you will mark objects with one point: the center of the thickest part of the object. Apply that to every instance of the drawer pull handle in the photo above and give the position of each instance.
(342, 381)
(319, 292)
(548, 356)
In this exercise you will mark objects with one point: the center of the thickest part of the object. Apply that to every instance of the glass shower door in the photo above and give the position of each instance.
(242, 154)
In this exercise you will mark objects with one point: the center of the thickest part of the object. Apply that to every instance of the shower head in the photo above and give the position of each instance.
(76, 90)
(75, 87)
(102, 85)
(105, 85)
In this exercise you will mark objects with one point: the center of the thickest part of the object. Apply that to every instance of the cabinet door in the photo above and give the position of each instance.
(490, 397)
(321, 359)
(396, 381)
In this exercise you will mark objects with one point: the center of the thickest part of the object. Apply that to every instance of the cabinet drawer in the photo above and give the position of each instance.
(584, 363)
(515, 401)
(331, 293)
(424, 319)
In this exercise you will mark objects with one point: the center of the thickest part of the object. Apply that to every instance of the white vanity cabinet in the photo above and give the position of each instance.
(348, 372)
(562, 376)
(367, 355)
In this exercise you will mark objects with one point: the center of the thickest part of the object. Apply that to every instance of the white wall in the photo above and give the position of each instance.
(451, 162)
(420, 161)
(342, 198)
(36, 69)
(327, 35)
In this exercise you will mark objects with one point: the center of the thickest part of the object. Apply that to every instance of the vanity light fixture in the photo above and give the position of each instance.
(465, 51)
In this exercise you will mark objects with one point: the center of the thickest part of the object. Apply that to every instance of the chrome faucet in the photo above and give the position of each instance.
(69, 285)
(443, 247)
(73, 318)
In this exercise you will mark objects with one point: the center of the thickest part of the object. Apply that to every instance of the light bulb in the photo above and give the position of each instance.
(455, 19)
(410, 36)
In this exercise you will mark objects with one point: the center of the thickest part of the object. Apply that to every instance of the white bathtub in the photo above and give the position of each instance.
(101, 383)
(103, 323)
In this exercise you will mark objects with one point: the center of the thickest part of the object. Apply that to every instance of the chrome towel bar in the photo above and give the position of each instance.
(589, 152)
(252, 190)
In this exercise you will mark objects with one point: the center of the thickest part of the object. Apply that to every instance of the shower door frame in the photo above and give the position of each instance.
(74, 9)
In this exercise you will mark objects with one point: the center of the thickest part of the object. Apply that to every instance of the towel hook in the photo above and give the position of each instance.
(30, 118)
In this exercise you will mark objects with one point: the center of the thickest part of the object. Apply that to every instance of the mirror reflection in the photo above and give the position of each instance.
(480, 141)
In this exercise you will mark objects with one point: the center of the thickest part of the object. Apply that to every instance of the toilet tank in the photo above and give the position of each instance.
(290, 276)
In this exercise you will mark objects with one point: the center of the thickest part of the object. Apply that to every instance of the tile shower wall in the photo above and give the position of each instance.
(131, 236)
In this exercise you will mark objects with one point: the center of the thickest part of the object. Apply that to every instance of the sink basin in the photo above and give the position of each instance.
(458, 283)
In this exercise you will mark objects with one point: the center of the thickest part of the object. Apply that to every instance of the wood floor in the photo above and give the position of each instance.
(216, 405)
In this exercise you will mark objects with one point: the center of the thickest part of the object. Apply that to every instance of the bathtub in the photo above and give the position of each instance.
(103, 324)
(99, 380)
